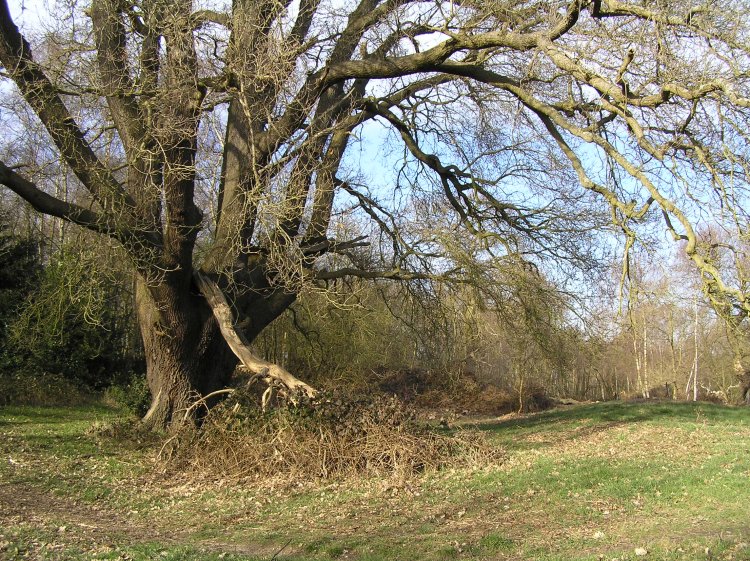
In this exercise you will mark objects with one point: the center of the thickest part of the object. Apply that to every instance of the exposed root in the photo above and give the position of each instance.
(203, 401)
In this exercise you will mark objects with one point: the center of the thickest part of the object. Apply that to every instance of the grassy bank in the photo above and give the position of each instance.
(602, 481)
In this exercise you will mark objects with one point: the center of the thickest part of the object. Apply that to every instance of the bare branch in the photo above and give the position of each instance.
(16, 57)
(52, 206)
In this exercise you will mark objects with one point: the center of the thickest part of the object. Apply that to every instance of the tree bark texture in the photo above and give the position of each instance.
(186, 355)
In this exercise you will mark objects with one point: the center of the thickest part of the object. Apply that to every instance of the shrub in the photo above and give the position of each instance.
(132, 395)
(433, 390)
(23, 388)
(534, 398)
(74, 320)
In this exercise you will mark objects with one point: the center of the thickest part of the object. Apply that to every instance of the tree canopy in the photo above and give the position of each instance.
(225, 138)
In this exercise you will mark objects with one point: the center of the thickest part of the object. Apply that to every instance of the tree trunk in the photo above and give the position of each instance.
(743, 376)
(192, 344)
(186, 355)
(738, 342)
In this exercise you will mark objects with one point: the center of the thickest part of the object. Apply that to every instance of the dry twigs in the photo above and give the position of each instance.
(323, 438)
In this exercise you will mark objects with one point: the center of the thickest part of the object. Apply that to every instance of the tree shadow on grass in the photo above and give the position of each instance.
(574, 421)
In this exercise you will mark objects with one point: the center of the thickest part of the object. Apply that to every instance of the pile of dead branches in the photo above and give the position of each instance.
(325, 437)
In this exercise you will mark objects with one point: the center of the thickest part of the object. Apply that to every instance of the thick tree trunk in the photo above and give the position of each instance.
(192, 344)
(741, 369)
(745, 387)
(186, 355)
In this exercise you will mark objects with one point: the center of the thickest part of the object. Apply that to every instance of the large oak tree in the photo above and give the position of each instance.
(519, 123)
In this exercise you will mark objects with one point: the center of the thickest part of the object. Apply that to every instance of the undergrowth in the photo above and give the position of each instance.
(326, 438)
(40, 389)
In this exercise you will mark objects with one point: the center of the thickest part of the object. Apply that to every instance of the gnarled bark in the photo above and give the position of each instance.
(192, 345)
(186, 356)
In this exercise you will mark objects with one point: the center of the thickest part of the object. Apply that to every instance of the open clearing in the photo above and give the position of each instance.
(602, 481)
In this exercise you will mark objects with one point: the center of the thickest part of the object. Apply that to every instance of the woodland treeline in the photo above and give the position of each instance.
(68, 326)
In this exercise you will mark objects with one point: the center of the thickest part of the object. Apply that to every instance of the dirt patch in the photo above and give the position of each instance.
(49, 524)
(61, 522)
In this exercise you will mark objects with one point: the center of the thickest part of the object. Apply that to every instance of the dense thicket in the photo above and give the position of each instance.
(66, 324)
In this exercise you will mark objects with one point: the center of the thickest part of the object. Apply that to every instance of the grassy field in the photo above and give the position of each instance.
(604, 481)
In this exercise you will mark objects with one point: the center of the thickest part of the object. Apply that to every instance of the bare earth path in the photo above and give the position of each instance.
(61, 523)
(57, 524)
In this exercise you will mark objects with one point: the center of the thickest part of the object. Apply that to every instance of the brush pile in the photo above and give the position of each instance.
(326, 437)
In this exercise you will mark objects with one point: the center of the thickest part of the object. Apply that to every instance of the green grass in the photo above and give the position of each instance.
(583, 483)
(50, 447)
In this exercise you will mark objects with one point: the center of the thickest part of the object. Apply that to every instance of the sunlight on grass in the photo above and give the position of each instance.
(578, 483)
